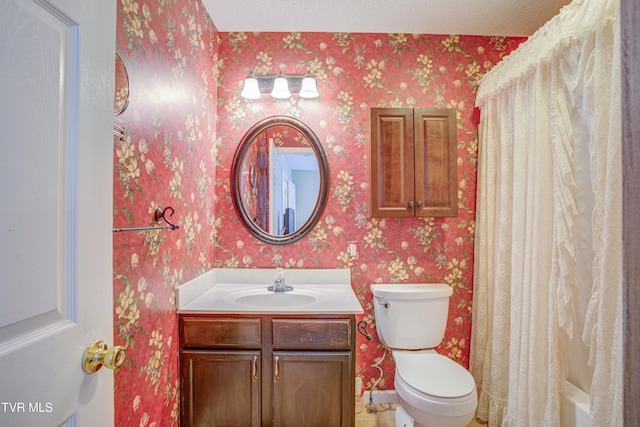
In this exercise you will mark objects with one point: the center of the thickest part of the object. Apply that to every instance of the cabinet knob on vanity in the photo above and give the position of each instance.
(420, 203)
(411, 203)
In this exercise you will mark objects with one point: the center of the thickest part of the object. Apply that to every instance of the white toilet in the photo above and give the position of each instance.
(433, 390)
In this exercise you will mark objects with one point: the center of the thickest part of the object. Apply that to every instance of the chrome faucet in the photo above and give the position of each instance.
(278, 283)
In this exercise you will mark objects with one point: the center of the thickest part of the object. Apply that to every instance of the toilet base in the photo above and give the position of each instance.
(403, 419)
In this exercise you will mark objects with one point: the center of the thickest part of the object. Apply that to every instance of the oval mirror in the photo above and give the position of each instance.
(279, 180)
(121, 100)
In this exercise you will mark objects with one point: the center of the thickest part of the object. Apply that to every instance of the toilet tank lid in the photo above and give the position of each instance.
(412, 290)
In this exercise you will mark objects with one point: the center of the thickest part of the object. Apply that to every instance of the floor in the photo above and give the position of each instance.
(383, 417)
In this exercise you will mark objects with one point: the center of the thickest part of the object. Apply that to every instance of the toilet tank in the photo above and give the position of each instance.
(411, 316)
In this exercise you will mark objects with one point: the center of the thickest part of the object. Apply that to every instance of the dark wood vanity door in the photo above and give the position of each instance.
(220, 388)
(312, 389)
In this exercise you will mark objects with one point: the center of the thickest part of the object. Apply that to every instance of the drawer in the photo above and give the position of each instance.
(312, 333)
(216, 332)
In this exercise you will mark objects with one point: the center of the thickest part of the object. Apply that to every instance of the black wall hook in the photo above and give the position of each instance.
(362, 328)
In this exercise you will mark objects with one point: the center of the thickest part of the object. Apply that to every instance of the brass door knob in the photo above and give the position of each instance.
(99, 354)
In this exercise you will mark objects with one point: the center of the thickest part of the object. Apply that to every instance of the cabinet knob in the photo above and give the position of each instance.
(411, 204)
(420, 203)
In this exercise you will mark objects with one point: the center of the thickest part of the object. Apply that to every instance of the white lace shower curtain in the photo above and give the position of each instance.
(552, 100)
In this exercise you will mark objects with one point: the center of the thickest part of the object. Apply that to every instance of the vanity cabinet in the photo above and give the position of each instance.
(412, 163)
(309, 388)
(220, 360)
(267, 370)
(220, 386)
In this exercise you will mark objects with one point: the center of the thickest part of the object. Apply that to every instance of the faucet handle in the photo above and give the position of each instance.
(279, 275)
(278, 283)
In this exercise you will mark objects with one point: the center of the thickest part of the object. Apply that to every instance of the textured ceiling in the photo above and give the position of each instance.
(468, 17)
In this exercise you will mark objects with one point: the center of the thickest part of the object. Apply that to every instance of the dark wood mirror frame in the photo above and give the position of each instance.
(236, 179)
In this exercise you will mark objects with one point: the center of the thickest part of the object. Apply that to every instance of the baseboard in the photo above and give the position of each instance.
(381, 396)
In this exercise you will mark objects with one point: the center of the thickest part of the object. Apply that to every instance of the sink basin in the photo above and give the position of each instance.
(268, 299)
(275, 300)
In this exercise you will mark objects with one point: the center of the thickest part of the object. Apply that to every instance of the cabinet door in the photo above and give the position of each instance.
(436, 162)
(391, 163)
(220, 388)
(313, 389)
(412, 162)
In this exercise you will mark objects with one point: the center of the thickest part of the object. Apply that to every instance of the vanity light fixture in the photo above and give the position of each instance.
(280, 86)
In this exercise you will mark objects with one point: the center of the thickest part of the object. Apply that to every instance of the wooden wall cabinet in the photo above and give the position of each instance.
(412, 163)
(267, 370)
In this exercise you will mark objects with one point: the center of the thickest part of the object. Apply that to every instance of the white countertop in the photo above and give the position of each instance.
(219, 290)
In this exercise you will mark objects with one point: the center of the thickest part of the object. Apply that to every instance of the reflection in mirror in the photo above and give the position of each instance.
(294, 188)
(121, 99)
(279, 179)
(282, 180)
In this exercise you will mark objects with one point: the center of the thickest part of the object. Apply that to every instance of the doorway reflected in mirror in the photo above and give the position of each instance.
(279, 180)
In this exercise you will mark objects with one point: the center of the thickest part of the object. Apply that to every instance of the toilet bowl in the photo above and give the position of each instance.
(433, 390)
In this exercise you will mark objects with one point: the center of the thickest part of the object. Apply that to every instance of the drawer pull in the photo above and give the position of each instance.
(276, 373)
(254, 369)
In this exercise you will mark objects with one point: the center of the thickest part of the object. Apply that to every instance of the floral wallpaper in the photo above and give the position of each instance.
(166, 160)
(184, 120)
(356, 72)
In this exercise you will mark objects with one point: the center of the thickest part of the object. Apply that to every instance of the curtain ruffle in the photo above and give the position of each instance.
(575, 20)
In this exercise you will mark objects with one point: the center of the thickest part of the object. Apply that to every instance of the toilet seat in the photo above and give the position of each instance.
(434, 374)
(425, 379)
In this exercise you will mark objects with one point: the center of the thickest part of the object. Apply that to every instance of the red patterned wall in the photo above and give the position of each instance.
(167, 159)
(184, 121)
(356, 72)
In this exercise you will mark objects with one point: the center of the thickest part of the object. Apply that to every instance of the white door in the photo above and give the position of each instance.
(56, 119)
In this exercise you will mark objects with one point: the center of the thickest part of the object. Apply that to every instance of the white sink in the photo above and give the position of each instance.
(244, 290)
(269, 299)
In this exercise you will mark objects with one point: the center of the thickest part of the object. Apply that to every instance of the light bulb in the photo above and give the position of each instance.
(280, 87)
(309, 88)
(250, 89)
